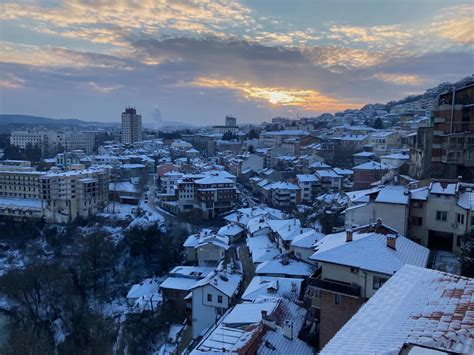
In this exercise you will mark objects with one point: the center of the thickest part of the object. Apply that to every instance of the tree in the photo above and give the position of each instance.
(467, 257)
(228, 136)
(253, 134)
(378, 123)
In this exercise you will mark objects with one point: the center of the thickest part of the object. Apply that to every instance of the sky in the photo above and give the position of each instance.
(198, 61)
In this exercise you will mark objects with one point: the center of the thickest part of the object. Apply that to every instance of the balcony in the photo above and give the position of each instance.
(334, 286)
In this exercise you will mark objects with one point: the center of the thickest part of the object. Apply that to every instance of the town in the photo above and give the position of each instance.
(290, 236)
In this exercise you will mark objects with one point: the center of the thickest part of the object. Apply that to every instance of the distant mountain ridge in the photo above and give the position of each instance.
(29, 119)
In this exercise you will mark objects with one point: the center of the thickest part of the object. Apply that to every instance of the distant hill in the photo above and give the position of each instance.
(38, 120)
(9, 122)
(431, 93)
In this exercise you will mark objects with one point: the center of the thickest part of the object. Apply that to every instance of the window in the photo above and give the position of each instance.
(219, 299)
(209, 297)
(337, 299)
(458, 241)
(378, 282)
(459, 218)
(441, 216)
(472, 220)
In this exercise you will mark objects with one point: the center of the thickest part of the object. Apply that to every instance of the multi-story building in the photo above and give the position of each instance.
(56, 196)
(441, 212)
(50, 141)
(211, 193)
(353, 265)
(453, 134)
(131, 126)
(285, 194)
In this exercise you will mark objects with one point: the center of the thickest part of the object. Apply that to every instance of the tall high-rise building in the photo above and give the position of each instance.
(131, 126)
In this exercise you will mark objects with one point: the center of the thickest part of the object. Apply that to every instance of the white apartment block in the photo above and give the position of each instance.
(49, 141)
(59, 197)
(131, 126)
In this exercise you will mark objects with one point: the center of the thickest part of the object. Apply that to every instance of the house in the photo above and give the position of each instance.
(363, 157)
(179, 283)
(389, 203)
(206, 248)
(396, 160)
(265, 326)
(267, 286)
(145, 295)
(232, 230)
(285, 266)
(262, 248)
(212, 296)
(368, 173)
(352, 266)
(417, 311)
(284, 230)
(302, 244)
(441, 212)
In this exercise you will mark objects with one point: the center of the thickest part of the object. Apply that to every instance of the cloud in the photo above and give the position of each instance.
(103, 89)
(304, 99)
(399, 79)
(456, 24)
(10, 81)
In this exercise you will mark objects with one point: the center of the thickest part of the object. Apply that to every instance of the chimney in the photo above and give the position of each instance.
(293, 286)
(392, 241)
(289, 227)
(379, 222)
(269, 321)
(349, 235)
(288, 330)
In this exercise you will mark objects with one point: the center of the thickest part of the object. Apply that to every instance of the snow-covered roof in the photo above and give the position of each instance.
(420, 194)
(284, 186)
(262, 248)
(364, 154)
(307, 178)
(393, 194)
(466, 200)
(178, 283)
(230, 230)
(419, 306)
(319, 165)
(307, 239)
(286, 229)
(196, 272)
(369, 251)
(209, 180)
(144, 288)
(327, 174)
(372, 165)
(289, 267)
(443, 189)
(398, 156)
(273, 287)
(248, 313)
(226, 282)
(341, 171)
(16, 202)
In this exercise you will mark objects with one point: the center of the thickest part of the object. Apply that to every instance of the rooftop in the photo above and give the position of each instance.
(420, 306)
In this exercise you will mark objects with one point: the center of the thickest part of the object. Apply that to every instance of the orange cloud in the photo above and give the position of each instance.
(399, 79)
(309, 100)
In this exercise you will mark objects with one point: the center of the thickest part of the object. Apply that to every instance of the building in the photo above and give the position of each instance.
(229, 127)
(266, 326)
(352, 266)
(368, 173)
(131, 126)
(51, 141)
(211, 297)
(453, 134)
(441, 212)
(285, 194)
(418, 311)
(59, 197)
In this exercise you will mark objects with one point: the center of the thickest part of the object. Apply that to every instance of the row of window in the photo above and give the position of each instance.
(209, 298)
